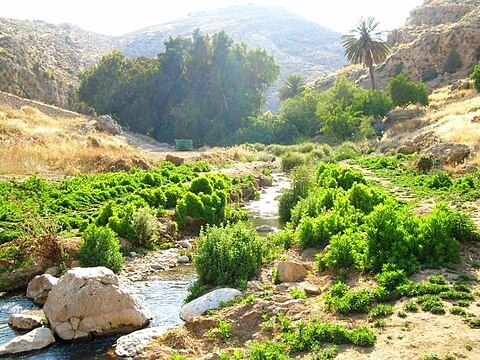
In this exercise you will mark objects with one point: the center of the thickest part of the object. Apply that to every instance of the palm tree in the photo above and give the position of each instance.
(293, 85)
(364, 45)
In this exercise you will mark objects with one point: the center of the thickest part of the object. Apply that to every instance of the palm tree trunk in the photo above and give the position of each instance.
(372, 76)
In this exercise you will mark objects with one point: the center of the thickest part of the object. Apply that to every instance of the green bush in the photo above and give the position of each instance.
(390, 278)
(374, 103)
(404, 91)
(228, 255)
(302, 182)
(475, 75)
(145, 228)
(101, 247)
(201, 185)
(267, 350)
(291, 160)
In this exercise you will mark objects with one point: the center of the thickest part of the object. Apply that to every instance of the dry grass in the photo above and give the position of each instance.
(34, 143)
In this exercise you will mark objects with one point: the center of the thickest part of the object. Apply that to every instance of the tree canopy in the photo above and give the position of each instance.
(200, 88)
(364, 45)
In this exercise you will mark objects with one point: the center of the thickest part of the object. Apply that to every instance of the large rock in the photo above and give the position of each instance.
(288, 271)
(449, 153)
(89, 301)
(39, 288)
(209, 301)
(107, 124)
(133, 343)
(27, 321)
(174, 159)
(34, 340)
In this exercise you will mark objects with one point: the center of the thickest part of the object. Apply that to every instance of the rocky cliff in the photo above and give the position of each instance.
(439, 42)
(42, 61)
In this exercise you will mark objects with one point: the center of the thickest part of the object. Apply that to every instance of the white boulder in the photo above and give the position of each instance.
(89, 301)
(34, 340)
(209, 301)
(39, 288)
(133, 343)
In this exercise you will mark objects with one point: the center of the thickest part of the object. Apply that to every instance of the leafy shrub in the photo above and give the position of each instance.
(201, 185)
(475, 75)
(291, 160)
(316, 232)
(267, 350)
(404, 91)
(345, 252)
(390, 278)
(429, 74)
(440, 180)
(229, 255)
(302, 182)
(101, 247)
(145, 228)
(425, 162)
(381, 310)
(365, 198)
(374, 103)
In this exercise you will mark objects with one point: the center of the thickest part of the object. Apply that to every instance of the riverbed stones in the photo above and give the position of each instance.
(184, 259)
(39, 288)
(34, 340)
(89, 301)
(27, 321)
(290, 271)
(133, 343)
(209, 301)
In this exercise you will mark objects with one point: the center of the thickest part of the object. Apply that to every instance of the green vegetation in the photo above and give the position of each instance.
(419, 175)
(453, 61)
(101, 247)
(475, 75)
(364, 45)
(201, 87)
(293, 85)
(404, 91)
(228, 255)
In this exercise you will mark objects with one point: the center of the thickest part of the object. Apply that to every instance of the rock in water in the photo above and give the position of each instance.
(89, 301)
(39, 288)
(26, 321)
(34, 340)
(209, 301)
(289, 271)
(132, 344)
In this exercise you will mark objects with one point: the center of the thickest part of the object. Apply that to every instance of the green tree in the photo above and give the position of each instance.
(404, 91)
(475, 75)
(293, 85)
(364, 45)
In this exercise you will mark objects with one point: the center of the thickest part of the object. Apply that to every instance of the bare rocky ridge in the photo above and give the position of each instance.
(42, 61)
(422, 46)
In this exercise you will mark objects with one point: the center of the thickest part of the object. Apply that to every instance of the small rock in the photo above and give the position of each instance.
(211, 356)
(174, 159)
(39, 288)
(26, 321)
(209, 301)
(133, 254)
(289, 271)
(54, 271)
(184, 259)
(265, 228)
(311, 289)
(133, 343)
(34, 340)
(185, 244)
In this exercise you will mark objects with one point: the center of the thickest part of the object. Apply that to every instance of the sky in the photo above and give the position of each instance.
(112, 17)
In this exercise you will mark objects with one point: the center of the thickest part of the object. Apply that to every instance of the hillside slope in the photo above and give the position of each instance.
(439, 43)
(42, 61)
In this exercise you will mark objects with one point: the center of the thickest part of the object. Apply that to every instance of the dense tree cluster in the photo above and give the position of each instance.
(201, 88)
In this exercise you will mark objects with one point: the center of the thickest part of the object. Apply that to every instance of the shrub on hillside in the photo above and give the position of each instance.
(453, 61)
(374, 103)
(475, 75)
(229, 255)
(101, 247)
(145, 228)
(404, 91)
(291, 160)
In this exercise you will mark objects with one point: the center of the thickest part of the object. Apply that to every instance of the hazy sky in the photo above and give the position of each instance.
(119, 17)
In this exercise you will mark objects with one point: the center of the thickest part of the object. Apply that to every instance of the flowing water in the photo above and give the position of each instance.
(163, 294)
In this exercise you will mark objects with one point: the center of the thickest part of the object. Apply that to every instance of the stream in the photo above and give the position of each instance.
(162, 294)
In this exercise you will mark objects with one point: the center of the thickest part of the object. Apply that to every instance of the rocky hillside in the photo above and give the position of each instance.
(439, 43)
(42, 61)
